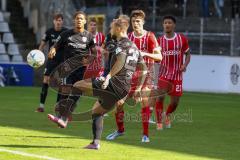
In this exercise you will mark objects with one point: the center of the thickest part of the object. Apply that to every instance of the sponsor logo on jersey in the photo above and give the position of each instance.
(77, 45)
(171, 52)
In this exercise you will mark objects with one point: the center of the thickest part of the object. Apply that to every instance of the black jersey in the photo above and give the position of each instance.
(75, 43)
(122, 80)
(51, 36)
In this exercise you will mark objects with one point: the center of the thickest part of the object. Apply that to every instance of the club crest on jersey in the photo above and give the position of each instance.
(84, 39)
(118, 50)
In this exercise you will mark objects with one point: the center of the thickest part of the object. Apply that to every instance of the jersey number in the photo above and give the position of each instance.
(178, 88)
(133, 57)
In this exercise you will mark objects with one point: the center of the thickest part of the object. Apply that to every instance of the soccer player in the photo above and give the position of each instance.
(174, 47)
(50, 37)
(116, 85)
(147, 44)
(96, 68)
(77, 41)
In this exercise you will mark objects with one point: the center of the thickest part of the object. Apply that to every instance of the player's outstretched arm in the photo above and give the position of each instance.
(42, 45)
(186, 62)
(157, 55)
(115, 69)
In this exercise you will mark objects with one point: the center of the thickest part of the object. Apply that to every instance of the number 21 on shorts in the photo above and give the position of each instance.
(178, 88)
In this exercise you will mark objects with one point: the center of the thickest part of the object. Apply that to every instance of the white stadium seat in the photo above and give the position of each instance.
(2, 48)
(8, 38)
(4, 27)
(17, 58)
(13, 49)
(4, 58)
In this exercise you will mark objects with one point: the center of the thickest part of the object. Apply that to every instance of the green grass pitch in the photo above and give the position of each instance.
(205, 126)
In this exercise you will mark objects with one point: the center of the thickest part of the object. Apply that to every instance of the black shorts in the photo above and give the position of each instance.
(75, 76)
(107, 97)
(50, 66)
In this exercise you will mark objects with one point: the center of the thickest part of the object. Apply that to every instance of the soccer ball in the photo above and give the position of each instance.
(35, 58)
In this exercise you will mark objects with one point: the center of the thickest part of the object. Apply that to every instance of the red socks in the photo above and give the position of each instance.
(170, 109)
(159, 111)
(120, 121)
(145, 119)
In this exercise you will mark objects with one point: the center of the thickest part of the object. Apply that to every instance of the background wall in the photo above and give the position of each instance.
(213, 74)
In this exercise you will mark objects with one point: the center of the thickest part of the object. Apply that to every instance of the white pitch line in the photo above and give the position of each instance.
(27, 154)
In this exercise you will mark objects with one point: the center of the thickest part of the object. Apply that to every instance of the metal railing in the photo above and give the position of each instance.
(209, 36)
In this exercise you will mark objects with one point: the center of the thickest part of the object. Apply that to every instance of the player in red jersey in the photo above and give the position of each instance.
(95, 69)
(174, 47)
(146, 42)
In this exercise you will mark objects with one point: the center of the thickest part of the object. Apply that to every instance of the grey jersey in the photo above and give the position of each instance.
(122, 80)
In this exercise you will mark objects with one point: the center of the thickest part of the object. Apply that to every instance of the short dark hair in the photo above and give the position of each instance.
(170, 17)
(57, 15)
(79, 12)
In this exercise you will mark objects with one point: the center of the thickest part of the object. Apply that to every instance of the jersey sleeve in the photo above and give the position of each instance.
(185, 46)
(60, 40)
(152, 42)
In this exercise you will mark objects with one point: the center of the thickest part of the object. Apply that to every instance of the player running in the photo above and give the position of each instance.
(75, 42)
(50, 37)
(116, 85)
(147, 44)
(96, 68)
(174, 47)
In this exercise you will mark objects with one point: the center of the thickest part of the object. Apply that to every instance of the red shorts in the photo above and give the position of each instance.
(90, 73)
(174, 87)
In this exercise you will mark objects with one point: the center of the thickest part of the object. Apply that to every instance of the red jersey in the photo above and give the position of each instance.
(97, 63)
(173, 50)
(145, 43)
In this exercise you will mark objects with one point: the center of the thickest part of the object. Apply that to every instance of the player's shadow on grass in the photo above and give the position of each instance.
(32, 146)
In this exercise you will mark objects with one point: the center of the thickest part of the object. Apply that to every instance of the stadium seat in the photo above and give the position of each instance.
(1, 17)
(4, 58)
(8, 38)
(17, 58)
(2, 48)
(13, 49)
(4, 27)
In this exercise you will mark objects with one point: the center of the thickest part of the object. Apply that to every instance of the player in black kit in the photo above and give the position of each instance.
(49, 39)
(77, 45)
(115, 86)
